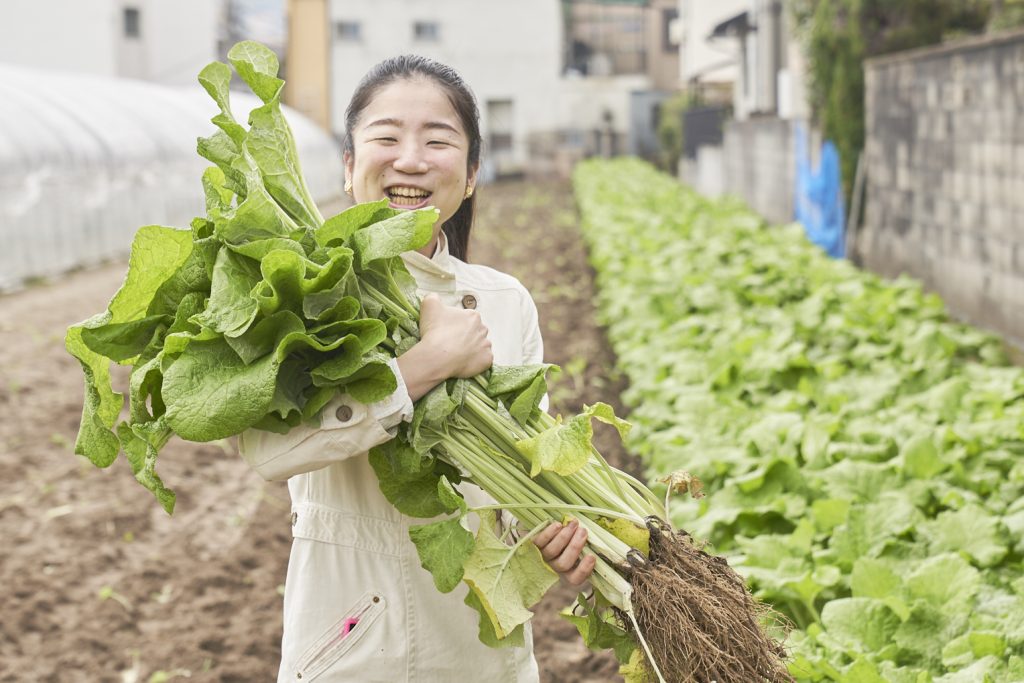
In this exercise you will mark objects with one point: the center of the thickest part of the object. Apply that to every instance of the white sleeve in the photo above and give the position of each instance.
(346, 428)
(533, 344)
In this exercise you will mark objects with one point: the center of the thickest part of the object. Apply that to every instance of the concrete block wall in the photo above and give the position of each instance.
(758, 164)
(944, 164)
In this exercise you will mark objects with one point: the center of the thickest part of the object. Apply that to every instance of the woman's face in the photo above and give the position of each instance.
(410, 148)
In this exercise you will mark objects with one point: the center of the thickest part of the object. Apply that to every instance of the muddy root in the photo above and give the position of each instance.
(699, 619)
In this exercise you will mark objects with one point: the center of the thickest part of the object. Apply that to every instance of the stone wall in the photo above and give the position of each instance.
(944, 165)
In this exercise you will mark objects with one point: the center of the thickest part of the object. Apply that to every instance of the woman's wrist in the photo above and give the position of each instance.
(423, 368)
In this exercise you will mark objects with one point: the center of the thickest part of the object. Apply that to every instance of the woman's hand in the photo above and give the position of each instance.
(561, 547)
(453, 343)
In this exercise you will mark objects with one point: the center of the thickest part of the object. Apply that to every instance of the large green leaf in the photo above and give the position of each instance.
(212, 394)
(861, 624)
(565, 448)
(156, 255)
(408, 480)
(443, 548)
(970, 530)
(337, 229)
(232, 308)
(257, 65)
(391, 237)
(507, 581)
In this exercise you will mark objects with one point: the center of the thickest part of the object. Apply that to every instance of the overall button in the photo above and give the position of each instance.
(295, 518)
(469, 301)
(343, 413)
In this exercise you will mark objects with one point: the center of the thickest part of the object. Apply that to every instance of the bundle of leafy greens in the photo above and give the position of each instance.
(263, 311)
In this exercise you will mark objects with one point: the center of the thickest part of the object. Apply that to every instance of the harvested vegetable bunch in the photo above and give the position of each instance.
(263, 312)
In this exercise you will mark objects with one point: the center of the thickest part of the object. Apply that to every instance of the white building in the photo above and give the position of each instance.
(706, 61)
(163, 41)
(745, 46)
(508, 52)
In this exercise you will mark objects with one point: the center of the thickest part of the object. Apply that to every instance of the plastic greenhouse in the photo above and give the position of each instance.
(86, 160)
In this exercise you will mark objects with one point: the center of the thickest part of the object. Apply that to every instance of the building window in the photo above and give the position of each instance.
(426, 31)
(670, 30)
(348, 31)
(500, 125)
(132, 27)
(608, 38)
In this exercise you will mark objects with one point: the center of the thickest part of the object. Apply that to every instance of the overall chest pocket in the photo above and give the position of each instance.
(340, 637)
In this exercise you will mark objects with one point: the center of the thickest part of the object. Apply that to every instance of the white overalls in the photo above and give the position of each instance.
(358, 607)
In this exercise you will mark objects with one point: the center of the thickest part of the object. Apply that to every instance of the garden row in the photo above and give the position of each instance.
(863, 454)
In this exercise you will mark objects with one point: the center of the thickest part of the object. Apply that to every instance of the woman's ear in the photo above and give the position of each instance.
(471, 180)
(348, 161)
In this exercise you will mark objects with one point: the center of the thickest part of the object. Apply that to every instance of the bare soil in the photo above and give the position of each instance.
(98, 584)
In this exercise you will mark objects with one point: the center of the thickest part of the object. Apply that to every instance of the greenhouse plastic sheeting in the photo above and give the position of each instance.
(86, 160)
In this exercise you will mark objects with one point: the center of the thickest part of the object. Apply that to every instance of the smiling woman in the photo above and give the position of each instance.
(358, 606)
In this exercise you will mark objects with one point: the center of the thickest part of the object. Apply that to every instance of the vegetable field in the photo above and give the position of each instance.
(863, 453)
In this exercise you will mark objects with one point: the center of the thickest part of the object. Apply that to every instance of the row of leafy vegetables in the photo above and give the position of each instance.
(862, 452)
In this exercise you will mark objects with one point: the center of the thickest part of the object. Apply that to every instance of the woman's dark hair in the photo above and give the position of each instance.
(456, 228)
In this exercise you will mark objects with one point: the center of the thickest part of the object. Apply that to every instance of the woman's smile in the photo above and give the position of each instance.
(407, 197)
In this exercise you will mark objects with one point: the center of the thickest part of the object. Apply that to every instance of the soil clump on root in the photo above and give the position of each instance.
(699, 619)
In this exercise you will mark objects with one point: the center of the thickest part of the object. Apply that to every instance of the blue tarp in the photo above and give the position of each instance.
(819, 195)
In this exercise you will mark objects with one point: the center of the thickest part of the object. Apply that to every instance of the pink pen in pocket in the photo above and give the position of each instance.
(347, 627)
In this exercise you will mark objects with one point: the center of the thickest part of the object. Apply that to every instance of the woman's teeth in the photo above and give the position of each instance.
(407, 201)
(407, 196)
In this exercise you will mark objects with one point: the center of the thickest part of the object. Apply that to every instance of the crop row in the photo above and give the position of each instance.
(863, 453)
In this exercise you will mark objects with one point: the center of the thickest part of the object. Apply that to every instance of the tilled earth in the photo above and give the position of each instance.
(98, 584)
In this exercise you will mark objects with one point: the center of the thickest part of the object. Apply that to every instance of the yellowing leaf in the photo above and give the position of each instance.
(629, 533)
(636, 670)
(506, 580)
(682, 481)
(565, 448)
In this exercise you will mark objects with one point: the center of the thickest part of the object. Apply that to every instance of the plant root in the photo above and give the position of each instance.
(701, 622)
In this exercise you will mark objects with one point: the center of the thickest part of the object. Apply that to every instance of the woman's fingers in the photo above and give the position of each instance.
(554, 547)
(582, 571)
(562, 548)
(545, 537)
(570, 555)
(458, 338)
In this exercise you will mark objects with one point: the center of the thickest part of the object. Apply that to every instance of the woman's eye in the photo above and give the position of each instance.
(385, 140)
(437, 143)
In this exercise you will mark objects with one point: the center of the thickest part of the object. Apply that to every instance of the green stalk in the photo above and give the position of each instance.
(553, 483)
(407, 316)
(600, 512)
(647, 649)
(545, 421)
(491, 475)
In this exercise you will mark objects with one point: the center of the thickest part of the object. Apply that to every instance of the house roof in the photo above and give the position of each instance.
(737, 25)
